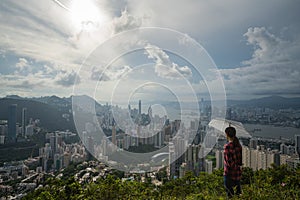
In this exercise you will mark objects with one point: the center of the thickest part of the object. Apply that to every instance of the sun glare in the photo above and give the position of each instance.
(86, 15)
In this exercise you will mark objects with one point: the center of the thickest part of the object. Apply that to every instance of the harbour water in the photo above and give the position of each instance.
(270, 131)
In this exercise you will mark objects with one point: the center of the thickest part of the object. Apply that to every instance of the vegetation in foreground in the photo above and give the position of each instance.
(274, 183)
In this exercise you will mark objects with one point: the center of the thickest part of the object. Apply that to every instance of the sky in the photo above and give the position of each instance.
(102, 48)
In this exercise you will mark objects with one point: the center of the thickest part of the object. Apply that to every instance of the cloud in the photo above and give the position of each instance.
(268, 48)
(126, 22)
(272, 70)
(26, 84)
(43, 31)
(98, 75)
(29, 30)
(266, 79)
(67, 79)
(33, 84)
(109, 74)
(42, 35)
(22, 63)
(23, 67)
(121, 72)
(21, 85)
(219, 25)
(164, 67)
(49, 49)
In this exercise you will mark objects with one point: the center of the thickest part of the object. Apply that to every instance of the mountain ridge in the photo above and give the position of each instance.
(59, 109)
(275, 102)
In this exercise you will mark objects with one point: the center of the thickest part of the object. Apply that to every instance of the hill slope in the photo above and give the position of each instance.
(51, 117)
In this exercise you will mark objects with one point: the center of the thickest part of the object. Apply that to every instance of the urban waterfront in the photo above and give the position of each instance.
(271, 131)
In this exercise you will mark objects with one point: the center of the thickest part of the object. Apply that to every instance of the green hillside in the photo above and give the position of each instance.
(276, 183)
(50, 116)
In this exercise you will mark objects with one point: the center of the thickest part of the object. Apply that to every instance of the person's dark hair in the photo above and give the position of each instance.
(231, 132)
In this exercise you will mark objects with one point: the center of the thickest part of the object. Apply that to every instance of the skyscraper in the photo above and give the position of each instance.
(140, 107)
(12, 122)
(202, 106)
(53, 144)
(192, 159)
(253, 143)
(176, 155)
(172, 159)
(150, 112)
(58, 142)
(113, 134)
(24, 120)
(208, 166)
(297, 144)
(90, 148)
(219, 159)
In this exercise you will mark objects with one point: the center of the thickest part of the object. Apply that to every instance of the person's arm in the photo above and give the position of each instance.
(241, 157)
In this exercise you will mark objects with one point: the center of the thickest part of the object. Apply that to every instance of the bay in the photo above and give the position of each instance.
(270, 131)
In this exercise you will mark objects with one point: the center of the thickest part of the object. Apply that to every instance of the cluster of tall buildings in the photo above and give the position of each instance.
(133, 137)
(10, 129)
(156, 133)
(184, 158)
(56, 154)
(260, 115)
(258, 157)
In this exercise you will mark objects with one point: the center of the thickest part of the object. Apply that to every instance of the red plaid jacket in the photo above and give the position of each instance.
(232, 161)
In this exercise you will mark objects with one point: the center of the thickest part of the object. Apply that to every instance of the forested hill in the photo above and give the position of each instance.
(275, 183)
(51, 117)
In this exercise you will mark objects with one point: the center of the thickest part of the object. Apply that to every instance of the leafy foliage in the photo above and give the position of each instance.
(274, 183)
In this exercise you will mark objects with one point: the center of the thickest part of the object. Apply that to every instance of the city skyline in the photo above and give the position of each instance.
(253, 44)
